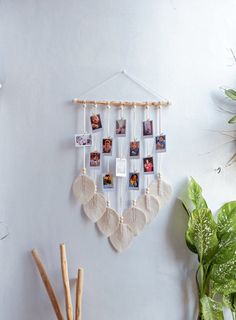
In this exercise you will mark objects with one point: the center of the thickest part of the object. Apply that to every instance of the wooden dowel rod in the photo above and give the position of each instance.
(47, 284)
(123, 103)
(79, 293)
(66, 282)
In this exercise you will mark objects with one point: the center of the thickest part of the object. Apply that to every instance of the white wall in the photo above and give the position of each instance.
(50, 51)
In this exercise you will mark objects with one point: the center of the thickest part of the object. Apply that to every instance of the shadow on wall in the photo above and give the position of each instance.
(175, 233)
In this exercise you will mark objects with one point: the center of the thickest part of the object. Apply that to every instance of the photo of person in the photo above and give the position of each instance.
(134, 181)
(95, 159)
(107, 181)
(134, 149)
(83, 140)
(121, 167)
(161, 143)
(148, 166)
(107, 146)
(121, 128)
(147, 129)
(96, 122)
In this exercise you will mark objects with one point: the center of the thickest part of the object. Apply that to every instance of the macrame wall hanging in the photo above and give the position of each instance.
(124, 144)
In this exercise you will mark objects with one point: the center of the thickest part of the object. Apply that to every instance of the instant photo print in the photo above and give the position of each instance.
(107, 181)
(96, 122)
(134, 181)
(121, 167)
(83, 140)
(148, 165)
(134, 149)
(121, 128)
(161, 143)
(148, 129)
(95, 159)
(107, 146)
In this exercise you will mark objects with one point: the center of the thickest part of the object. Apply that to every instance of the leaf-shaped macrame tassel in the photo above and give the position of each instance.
(95, 207)
(109, 222)
(135, 218)
(162, 190)
(122, 237)
(149, 205)
(83, 188)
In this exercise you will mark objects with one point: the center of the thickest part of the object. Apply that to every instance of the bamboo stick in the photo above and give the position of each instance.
(66, 283)
(47, 284)
(79, 293)
(123, 103)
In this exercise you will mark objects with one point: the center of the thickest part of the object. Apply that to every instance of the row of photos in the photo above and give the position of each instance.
(85, 140)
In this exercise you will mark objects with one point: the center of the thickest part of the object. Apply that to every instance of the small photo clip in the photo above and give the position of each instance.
(148, 165)
(95, 159)
(134, 149)
(148, 129)
(96, 122)
(107, 181)
(83, 140)
(107, 147)
(134, 181)
(161, 143)
(121, 128)
(121, 167)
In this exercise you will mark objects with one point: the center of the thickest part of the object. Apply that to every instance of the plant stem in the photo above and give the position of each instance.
(200, 289)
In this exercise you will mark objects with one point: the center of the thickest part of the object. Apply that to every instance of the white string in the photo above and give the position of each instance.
(160, 114)
(84, 125)
(159, 157)
(134, 125)
(96, 86)
(144, 86)
(108, 133)
(130, 77)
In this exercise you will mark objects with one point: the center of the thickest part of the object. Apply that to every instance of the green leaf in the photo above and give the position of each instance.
(226, 249)
(230, 301)
(195, 194)
(189, 242)
(231, 93)
(226, 219)
(201, 233)
(232, 120)
(211, 309)
(222, 273)
(225, 288)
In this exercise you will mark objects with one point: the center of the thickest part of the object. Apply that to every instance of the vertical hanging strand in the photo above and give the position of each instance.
(158, 154)
(108, 135)
(84, 126)
(147, 143)
(159, 133)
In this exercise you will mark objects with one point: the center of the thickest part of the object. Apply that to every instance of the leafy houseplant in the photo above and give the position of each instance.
(231, 94)
(214, 242)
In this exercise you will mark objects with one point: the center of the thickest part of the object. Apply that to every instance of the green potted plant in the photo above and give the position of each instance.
(213, 240)
(231, 94)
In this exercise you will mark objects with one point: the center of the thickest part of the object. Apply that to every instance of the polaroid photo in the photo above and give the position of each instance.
(121, 128)
(121, 167)
(148, 165)
(107, 147)
(160, 142)
(133, 181)
(83, 140)
(96, 122)
(95, 159)
(134, 149)
(148, 129)
(107, 181)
